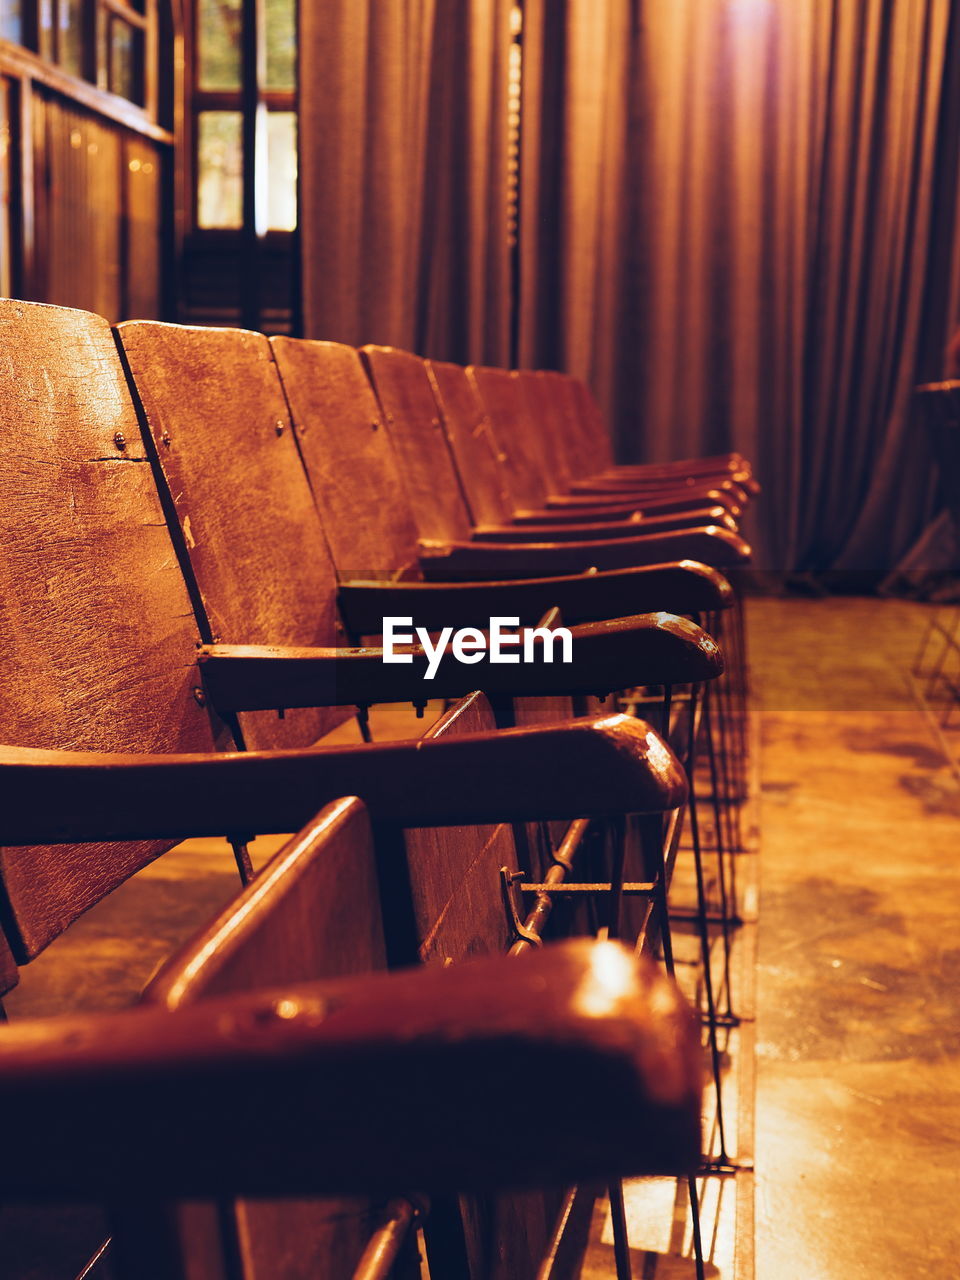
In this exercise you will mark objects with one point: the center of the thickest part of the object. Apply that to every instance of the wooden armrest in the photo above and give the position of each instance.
(423, 1078)
(589, 506)
(654, 648)
(722, 464)
(452, 560)
(623, 485)
(618, 512)
(638, 524)
(682, 587)
(596, 767)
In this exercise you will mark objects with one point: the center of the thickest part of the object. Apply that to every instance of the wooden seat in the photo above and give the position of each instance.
(532, 417)
(434, 416)
(482, 463)
(367, 531)
(589, 453)
(114, 738)
(109, 736)
(309, 915)
(271, 1087)
(412, 414)
(351, 463)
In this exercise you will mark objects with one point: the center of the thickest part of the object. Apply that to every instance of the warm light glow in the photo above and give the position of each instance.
(749, 8)
(658, 753)
(603, 989)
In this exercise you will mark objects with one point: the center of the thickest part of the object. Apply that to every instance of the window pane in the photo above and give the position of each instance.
(219, 169)
(281, 41)
(282, 165)
(70, 13)
(11, 23)
(45, 20)
(126, 53)
(219, 25)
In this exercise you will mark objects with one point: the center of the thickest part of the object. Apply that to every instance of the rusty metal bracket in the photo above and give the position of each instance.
(507, 880)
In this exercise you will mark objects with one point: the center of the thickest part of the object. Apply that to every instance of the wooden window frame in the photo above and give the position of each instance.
(24, 61)
(249, 100)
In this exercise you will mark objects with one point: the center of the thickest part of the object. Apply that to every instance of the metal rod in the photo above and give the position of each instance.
(621, 1240)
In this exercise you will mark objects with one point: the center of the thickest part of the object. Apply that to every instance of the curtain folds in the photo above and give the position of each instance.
(403, 174)
(740, 224)
(739, 221)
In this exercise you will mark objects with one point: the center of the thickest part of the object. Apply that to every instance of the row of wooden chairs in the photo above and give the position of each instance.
(178, 610)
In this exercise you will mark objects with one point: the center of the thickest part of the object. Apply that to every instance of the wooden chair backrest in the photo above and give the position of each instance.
(501, 395)
(596, 452)
(349, 458)
(426, 465)
(99, 637)
(454, 871)
(472, 443)
(242, 512)
(548, 414)
(312, 912)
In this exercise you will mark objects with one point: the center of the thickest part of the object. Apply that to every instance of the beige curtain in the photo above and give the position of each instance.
(403, 174)
(739, 223)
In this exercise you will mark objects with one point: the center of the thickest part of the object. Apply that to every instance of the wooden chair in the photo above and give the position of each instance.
(481, 460)
(416, 408)
(110, 739)
(105, 708)
(589, 453)
(259, 1093)
(242, 676)
(531, 416)
(309, 915)
(412, 414)
(485, 470)
(272, 552)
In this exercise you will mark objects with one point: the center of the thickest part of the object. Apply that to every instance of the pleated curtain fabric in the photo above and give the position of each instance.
(740, 224)
(403, 109)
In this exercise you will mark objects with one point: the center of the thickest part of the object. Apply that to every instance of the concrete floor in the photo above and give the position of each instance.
(858, 1102)
(858, 1097)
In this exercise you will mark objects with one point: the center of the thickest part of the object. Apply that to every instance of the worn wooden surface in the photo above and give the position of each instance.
(349, 458)
(313, 912)
(263, 1091)
(455, 883)
(245, 518)
(426, 464)
(472, 443)
(603, 766)
(546, 412)
(712, 545)
(501, 395)
(99, 636)
(683, 587)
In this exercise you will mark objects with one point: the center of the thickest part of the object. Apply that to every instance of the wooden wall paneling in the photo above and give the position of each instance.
(142, 195)
(81, 183)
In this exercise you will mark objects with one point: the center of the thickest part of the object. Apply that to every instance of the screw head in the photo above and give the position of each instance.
(279, 427)
(165, 438)
(200, 697)
(119, 439)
